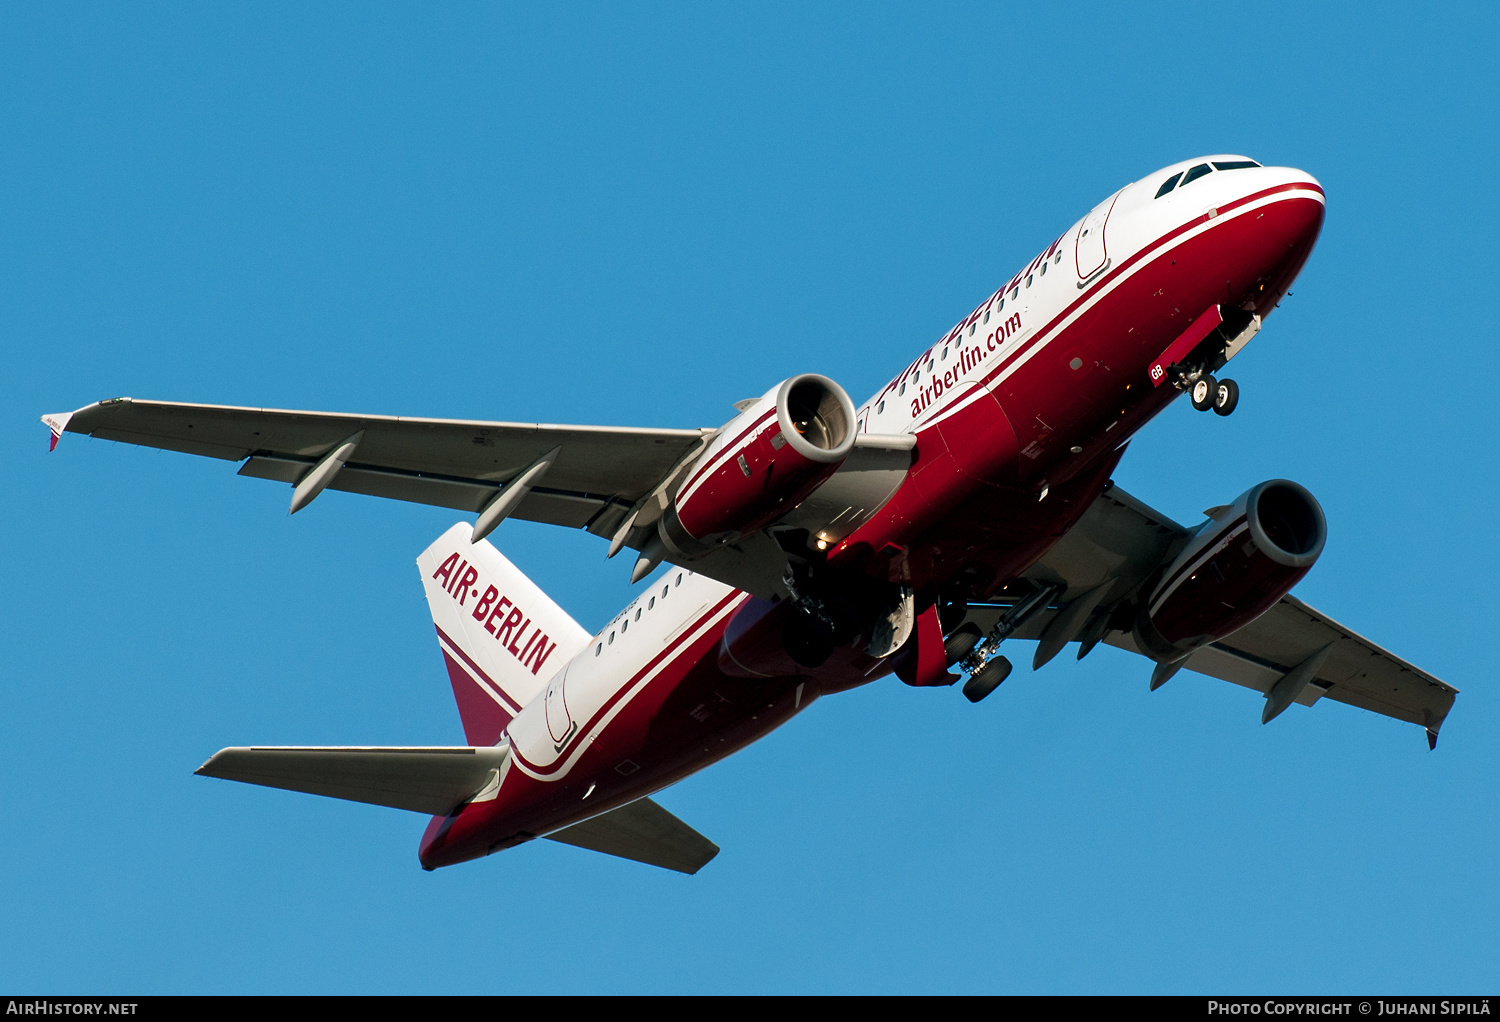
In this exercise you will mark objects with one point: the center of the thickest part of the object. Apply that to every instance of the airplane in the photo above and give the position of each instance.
(814, 547)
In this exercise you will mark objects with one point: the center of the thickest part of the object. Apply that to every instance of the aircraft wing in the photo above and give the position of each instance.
(1357, 671)
(1114, 550)
(596, 479)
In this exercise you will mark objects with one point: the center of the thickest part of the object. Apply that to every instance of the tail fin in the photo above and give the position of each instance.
(502, 637)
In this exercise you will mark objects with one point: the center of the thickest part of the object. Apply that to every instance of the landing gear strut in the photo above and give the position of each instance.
(986, 669)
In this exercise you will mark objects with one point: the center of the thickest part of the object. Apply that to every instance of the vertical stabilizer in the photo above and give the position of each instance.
(502, 637)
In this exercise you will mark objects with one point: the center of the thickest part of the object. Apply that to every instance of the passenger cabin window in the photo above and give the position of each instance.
(1168, 185)
(1196, 173)
(1236, 165)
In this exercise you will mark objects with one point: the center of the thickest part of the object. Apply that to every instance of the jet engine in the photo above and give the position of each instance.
(1243, 560)
(765, 461)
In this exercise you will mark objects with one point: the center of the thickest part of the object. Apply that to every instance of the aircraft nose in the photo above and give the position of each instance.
(1300, 213)
(1287, 228)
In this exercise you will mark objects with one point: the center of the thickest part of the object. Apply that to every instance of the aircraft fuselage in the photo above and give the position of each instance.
(1020, 413)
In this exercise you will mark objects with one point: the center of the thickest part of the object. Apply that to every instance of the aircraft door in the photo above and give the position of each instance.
(560, 723)
(1090, 252)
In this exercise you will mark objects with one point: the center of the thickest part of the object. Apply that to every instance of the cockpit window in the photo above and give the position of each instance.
(1236, 165)
(1196, 173)
(1167, 185)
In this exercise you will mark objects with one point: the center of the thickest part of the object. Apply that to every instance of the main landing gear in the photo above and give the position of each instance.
(978, 655)
(988, 678)
(1220, 395)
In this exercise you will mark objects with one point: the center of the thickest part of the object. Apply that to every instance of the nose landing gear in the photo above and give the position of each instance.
(1221, 395)
(1226, 396)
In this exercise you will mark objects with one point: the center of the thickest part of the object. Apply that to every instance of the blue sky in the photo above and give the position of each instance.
(639, 215)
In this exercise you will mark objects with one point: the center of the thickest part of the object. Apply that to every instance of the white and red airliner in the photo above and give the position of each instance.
(815, 546)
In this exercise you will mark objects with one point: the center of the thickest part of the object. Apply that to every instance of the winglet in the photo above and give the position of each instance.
(1431, 739)
(57, 423)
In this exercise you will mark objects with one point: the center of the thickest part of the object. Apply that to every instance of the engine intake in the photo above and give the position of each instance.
(1243, 560)
(765, 461)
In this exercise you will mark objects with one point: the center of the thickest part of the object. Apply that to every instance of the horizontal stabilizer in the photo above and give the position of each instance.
(645, 832)
(424, 779)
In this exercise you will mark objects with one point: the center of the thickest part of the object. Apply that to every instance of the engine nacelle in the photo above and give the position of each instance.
(1243, 560)
(766, 460)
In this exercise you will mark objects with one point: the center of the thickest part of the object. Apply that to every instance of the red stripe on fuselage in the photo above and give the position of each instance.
(1047, 333)
(1065, 423)
(539, 799)
(1094, 290)
(657, 729)
(689, 634)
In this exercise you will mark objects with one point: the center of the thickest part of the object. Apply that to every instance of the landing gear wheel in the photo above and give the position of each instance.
(985, 680)
(961, 643)
(1203, 391)
(1226, 397)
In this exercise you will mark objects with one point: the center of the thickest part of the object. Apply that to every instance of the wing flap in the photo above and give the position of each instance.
(1357, 672)
(643, 832)
(423, 779)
